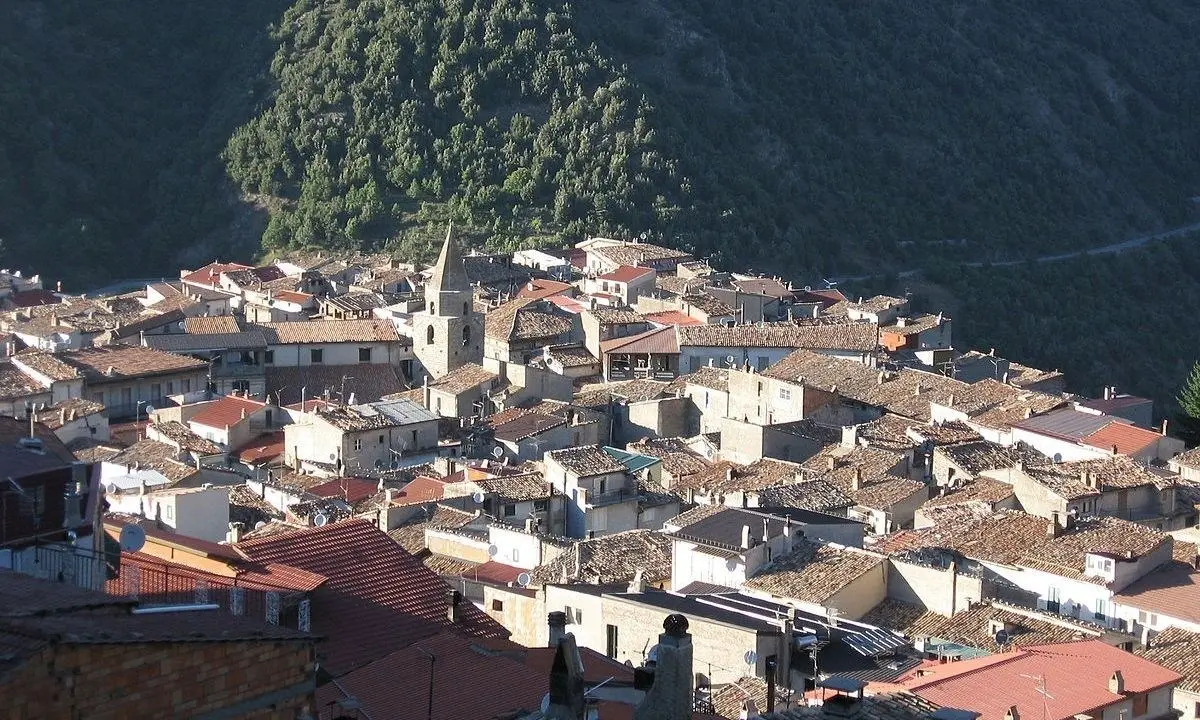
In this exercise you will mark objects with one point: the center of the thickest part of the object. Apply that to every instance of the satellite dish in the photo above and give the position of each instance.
(497, 452)
(493, 550)
(477, 497)
(133, 538)
(332, 457)
(1002, 637)
(750, 657)
(320, 519)
(260, 525)
(524, 579)
(730, 359)
(1057, 458)
(149, 409)
(546, 703)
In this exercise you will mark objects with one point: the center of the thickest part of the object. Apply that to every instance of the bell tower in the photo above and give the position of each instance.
(447, 332)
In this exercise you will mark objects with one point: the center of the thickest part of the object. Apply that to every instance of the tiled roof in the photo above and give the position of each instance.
(1172, 590)
(707, 304)
(815, 495)
(947, 433)
(586, 460)
(972, 627)
(226, 411)
(391, 688)
(376, 416)
(537, 288)
(181, 435)
(1126, 439)
(524, 319)
(184, 343)
(611, 559)
(880, 488)
(261, 450)
(1189, 459)
(210, 274)
(128, 361)
(883, 706)
(1075, 677)
(728, 477)
(661, 341)
(913, 324)
(468, 376)
(46, 364)
(16, 384)
(982, 489)
(729, 700)
(672, 317)
(616, 316)
(67, 411)
(1024, 376)
(572, 356)
(155, 455)
(980, 456)
(516, 488)
(1067, 424)
(218, 324)
(1179, 650)
(1068, 479)
(637, 253)
(1015, 538)
(879, 303)
(630, 390)
(411, 535)
(378, 598)
(370, 382)
(23, 595)
(421, 490)
(771, 287)
(246, 507)
(713, 378)
(328, 331)
(625, 274)
(887, 432)
(813, 572)
(527, 425)
(691, 517)
(825, 336)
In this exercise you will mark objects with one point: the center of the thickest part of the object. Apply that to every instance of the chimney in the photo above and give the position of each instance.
(387, 497)
(1054, 527)
(567, 699)
(638, 584)
(749, 710)
(1107, 393)
(1115, 449)
(671, 692)
(557, 621)
(1164, 427)
(1116, 683)
(1012, 713)
(530, 525)
(235, 532)
(745, 537)
(729, 473)
(857, 483)
(882, 376)
(832, 464)
(454, 606)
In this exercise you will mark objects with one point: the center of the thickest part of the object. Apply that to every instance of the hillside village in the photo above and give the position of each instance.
(606, 482)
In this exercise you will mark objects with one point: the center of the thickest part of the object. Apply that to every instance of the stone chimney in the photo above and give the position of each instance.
(857, 483)
(745, 537)
(1054, 526)
(671, 693)
(567, 700)
(235, 532)
(831, 464)
(1116, 683)
(557, 621)
(454, 601)
(638, 584)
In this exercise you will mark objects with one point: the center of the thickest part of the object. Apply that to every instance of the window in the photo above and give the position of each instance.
(760, 386)
(785, 394)
(516, 555)
(542, 504)
(497, 605)
(169, 512)
(381, 439)
(574, 615)
(1099, 609)
(269, 357)
(602, 485)
(1141, 704)
(611, 641)
(170, 387)
(155, 390)
(187, 385)
(358, 443)
(431, 309)
(510, 510)
(763, 362)
(364, 354)
(429, 335)
(1053, 599)
(414, 438)
(1197, 710)
(467, 307)
(705, 399)
(466, 333)
(241, 386)
(316, 356)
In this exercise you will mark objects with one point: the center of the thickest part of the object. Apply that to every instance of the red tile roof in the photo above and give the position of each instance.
(1128, 439)
(494, 572)
(261, 449)
(661, 341)
(421, 490)
(1074, 675)
(538, 289)
(378, 599)
(1172, 590)
(293, 297)
(210, 275)
(673, 317)
(227, 411)
(33, 298)
(469, 681)
(350, 489)
(626, 274)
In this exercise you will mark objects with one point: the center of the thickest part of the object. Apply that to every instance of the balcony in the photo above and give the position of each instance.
(610, 497)
(640, 373)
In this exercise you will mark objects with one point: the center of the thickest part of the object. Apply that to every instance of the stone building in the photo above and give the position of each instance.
(448, 332)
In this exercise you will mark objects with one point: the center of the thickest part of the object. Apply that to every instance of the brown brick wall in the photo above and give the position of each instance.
(157, 680)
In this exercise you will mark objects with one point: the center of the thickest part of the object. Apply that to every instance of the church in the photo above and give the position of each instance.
(447, 332)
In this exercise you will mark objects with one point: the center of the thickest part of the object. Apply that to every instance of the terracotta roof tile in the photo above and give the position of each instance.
(463, 378)
(1179, 650)
(586, 460)
(378, 598)
(219, 324)
(1172, 590)
(813, 572)
(825, 336)
(611, 559)
(128, 361)
(227, 411)
(328, 331)
(626, 274)
(1127, 439)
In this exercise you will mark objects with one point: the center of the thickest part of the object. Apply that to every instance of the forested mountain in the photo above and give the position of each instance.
(823, 136)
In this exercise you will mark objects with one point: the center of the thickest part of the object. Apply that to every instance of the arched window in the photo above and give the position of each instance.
(466, 335)
(431, 308)
(467, 308)
(429, 335)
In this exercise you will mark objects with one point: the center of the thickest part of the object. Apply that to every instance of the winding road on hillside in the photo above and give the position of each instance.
(1110, 249)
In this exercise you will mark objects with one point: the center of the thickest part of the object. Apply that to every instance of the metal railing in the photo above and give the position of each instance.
(67, 564)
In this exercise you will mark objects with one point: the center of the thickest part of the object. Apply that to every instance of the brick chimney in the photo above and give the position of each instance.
(1116, 683)
(671, 693)
(557, 621)
(857, 483)
(454, 606)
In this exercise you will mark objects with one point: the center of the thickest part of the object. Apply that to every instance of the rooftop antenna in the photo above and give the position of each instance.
(1041, 688)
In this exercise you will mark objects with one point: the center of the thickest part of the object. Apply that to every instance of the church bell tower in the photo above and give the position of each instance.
(447, 332)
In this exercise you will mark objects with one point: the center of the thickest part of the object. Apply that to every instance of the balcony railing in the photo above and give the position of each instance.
(610, 497)
(640, 374)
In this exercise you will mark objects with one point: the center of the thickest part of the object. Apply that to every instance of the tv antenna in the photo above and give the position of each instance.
(1041, 689)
